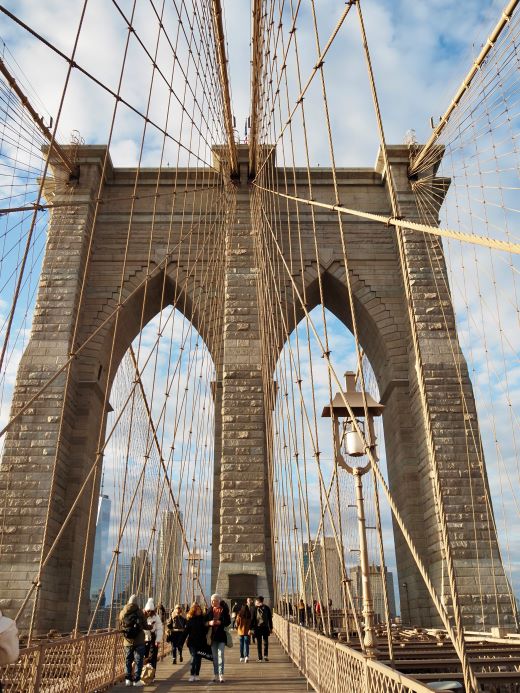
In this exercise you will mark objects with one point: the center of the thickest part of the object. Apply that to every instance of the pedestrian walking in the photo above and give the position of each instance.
(133, 625)
(175, 632)
(243, 625)
(302, 612)
(154, 634)
(319, 615)
(234, 612)
(195, 631)
(162, 612)
(262, 625)
(219, 619)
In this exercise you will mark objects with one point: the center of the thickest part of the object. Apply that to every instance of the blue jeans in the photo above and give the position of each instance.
(244, 646)
(217, 649)
(134, 652)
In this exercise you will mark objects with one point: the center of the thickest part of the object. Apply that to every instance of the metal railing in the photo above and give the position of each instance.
(331, 667)
(68, 665)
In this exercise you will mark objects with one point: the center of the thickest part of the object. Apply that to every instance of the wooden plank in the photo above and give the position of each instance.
(512, 676)
(279, 674)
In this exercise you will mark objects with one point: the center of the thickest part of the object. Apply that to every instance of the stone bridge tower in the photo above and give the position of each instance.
(46, 455)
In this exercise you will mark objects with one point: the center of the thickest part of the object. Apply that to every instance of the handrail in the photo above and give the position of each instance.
(86, 663)
(332, 667)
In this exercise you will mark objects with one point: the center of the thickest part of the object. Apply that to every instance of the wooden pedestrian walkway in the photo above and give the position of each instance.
(279, 674)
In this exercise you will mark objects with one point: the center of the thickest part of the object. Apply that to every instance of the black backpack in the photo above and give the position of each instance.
(131, 625)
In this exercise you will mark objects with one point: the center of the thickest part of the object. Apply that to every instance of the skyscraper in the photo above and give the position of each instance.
(122, 588)
(323, 581)
(141, 576)
(100, 560)
(376, 587)
(169, 560)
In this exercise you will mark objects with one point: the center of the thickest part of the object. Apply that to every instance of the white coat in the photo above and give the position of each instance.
(157, 628)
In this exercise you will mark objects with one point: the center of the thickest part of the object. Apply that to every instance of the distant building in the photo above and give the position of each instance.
(169, 560)
(376, 586)
(323, 575)
(100, 560)
(141, 583)
(122, 589)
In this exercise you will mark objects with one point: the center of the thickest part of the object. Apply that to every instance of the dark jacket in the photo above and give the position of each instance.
(139, 639)
(263, 614)
(196, 629)
(218, 634)
(175, 628)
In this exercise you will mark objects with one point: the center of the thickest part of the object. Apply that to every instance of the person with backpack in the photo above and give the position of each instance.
(262, 625)
(133, 624)
(175, 634)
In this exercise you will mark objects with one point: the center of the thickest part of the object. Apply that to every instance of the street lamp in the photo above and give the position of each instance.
(405, 585)
(194, 561)
(356, 439)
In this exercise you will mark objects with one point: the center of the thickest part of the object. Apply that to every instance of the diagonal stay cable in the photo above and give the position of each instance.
(403, 224)
(159, 267)
(89, 75)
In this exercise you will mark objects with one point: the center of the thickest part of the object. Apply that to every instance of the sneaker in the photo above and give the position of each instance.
(192, 679)
(241, 659)
(174, 661)
(259, 660)
(221, 678)
(266, 659)
(196, 678)
(139, 684)
(128, 682)
(246, 660)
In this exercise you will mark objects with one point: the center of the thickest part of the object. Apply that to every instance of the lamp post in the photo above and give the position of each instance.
(194, 560)
(405, 585)
(357, 418)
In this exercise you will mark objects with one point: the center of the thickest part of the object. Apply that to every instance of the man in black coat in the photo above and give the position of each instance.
(262, 625)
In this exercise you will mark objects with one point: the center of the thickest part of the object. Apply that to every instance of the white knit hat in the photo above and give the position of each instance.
(150, 606)
(132, 599)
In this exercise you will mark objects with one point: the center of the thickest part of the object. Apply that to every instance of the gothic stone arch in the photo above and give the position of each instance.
(241, 531)
(384, 332)
(28, 474)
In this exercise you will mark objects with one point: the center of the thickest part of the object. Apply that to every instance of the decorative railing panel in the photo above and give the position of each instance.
(332, 667)
(72, 665)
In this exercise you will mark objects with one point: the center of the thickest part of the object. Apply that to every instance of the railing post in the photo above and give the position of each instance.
(336, 689)
(305, 653)
(114, 659)
(300, 642)
(39, 669)
(83, 670)
(318, 639)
